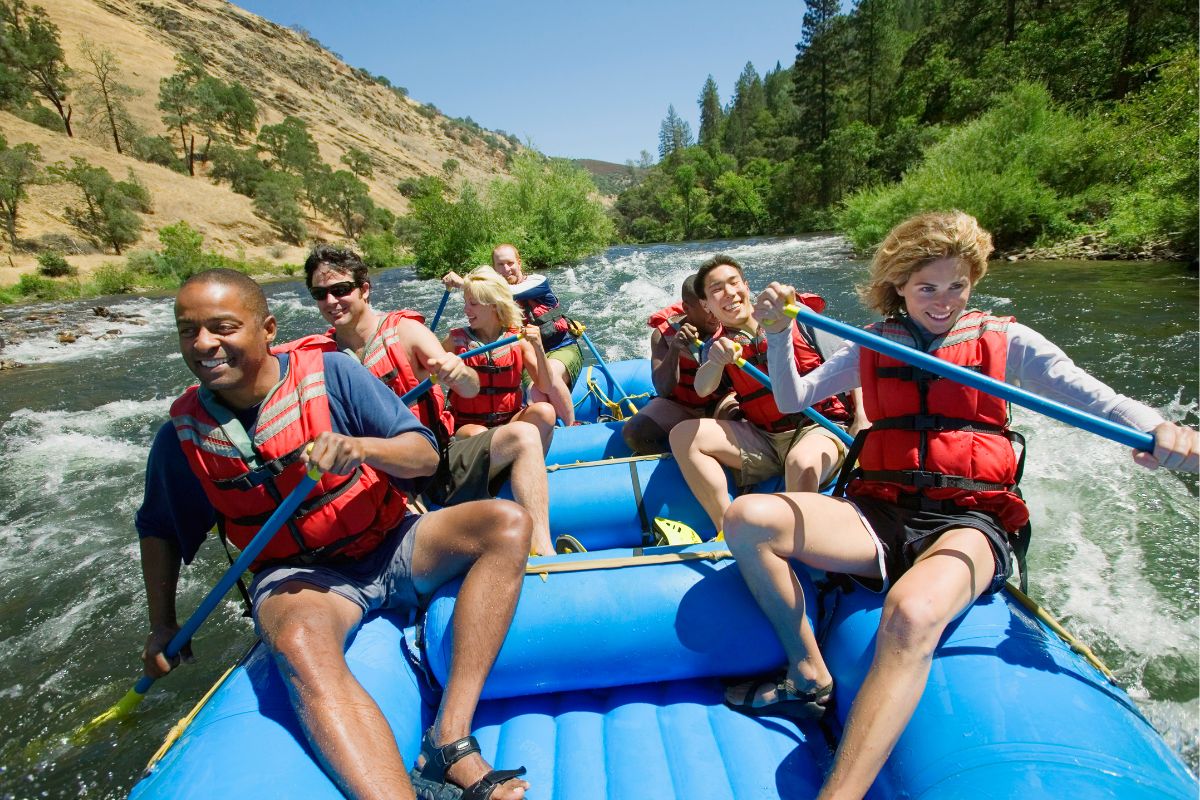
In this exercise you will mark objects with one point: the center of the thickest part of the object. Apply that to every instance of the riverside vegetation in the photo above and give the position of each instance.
(1049, 121)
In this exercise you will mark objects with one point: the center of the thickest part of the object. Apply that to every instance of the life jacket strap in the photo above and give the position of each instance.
(936, 422)
(264, 472)
(924, 479)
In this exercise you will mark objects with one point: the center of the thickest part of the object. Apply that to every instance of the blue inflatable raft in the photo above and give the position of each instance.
(610, 680)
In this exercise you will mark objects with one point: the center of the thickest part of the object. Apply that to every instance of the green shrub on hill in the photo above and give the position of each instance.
(52, 265)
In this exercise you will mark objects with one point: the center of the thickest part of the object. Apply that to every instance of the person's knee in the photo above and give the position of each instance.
(910, 622)
(684, 436)
(303, 648)
(644, 435)
(506, 526)
(751, 520)
(514, 440)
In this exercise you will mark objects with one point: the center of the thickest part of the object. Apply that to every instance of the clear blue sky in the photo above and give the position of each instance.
(579, 79)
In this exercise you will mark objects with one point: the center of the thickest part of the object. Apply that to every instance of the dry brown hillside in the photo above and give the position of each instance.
(287, 72)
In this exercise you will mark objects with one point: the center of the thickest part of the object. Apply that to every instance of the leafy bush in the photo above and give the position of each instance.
(182, 255)
(242, 168)
(380, 250)
(53, 265)
(157, 150)
(136, 192)
(41, 116)
(1014, 169)
(113, 278)
(36, 287)
(454, 235)
(549, 211)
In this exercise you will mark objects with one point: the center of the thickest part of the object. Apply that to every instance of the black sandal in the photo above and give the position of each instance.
(429, 781)
(791, 704)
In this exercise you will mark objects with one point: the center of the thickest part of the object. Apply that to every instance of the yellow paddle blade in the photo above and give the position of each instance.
(121, 709)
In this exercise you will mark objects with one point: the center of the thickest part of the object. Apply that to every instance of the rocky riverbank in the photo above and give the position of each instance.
(65, 325)
(1095, 247)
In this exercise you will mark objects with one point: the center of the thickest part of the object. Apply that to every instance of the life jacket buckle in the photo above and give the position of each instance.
(928, 422)
(926, 480)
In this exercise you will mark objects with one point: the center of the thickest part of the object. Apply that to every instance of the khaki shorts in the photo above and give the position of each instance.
(465, 471)
(764, 453)
(570, 356)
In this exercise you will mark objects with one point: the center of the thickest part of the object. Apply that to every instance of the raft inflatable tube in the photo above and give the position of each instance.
(609, 684)
(597, 398)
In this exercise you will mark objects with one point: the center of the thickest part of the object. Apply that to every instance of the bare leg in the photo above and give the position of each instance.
(701, 446)
(559, 395)
(519, 445)
(488, 540)
(763, 532)
(809, 460)
(306, 628)
(946, 579)
(541, 416)
(470, 429)
(646, 431)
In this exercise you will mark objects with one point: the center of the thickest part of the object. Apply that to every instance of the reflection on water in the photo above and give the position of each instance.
(1114, 550)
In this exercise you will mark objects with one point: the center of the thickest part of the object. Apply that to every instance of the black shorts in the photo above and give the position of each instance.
(903, 534)
(465, 472)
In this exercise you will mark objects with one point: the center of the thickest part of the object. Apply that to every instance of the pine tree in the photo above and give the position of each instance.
(749, 100)
(816, 78)
(674, 134)
(712, 116)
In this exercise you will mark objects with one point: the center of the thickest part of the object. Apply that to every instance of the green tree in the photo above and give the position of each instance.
(290, 146)
(103, 95)
(241, 167)
(29, 46)
(711, 115)
(108, 212)
(277, 199)
(19, 169)
(739, 206)
(359, 162)
(345, 198)
(674, 134)
(749, 100)
(816, 79)
(876, 52)
(176, 99)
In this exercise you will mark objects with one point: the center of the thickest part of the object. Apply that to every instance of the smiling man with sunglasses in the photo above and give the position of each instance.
(399, 350)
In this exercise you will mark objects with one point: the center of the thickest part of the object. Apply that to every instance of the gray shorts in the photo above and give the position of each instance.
(380, 579)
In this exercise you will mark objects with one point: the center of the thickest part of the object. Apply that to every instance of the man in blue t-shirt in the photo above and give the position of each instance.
(352, 548)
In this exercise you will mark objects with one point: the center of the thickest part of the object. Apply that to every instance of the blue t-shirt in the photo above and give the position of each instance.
(175, 506)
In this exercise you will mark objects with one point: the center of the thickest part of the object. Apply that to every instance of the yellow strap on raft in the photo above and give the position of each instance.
(179, 727)
(583, 565)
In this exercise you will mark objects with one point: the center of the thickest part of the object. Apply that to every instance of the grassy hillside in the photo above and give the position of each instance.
(287, 72)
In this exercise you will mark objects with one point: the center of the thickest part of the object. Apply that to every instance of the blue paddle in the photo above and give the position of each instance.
(1080, 419)
(437, 317)
(413, 394)
(604, 368)
(814, 415)
(133, 697)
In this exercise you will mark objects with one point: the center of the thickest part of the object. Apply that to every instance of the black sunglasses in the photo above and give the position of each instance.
(342, 289)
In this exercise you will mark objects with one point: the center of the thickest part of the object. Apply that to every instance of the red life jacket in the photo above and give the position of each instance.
(384, 356)
(935, 437)
(500, 393)
(667, 321)
(756, 401)
(246, 476)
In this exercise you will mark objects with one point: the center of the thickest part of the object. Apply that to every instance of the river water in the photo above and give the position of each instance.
(1114, 553)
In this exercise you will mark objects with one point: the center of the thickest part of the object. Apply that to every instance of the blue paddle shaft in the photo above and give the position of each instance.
(441, 307)
(240, 565)
(814, 415)
(411, 396)
(604, 368)
(1080, 419)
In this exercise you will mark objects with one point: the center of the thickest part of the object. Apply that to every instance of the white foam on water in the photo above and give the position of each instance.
(44, 348)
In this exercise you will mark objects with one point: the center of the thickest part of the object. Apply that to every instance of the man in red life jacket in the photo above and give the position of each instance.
(236, 445)
(765, 443)
(680, 330)
(399, 350)
(540, 307)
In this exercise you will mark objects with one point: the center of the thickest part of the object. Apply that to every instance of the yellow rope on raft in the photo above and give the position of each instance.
(1069, 638)
(613, 406)
(179, 727)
